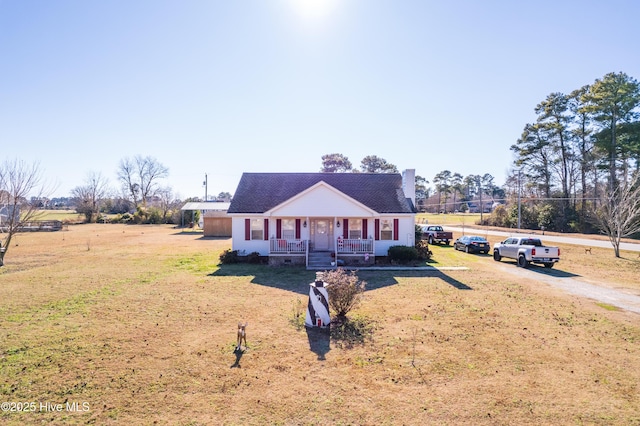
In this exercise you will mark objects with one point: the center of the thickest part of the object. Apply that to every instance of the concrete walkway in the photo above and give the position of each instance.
(392, 268)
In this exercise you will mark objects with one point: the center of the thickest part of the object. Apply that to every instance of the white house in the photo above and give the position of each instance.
(314, 219)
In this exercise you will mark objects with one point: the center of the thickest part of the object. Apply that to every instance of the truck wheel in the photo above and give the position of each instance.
(496, 256)
(548, 265)
(522, 261)
(446, 242)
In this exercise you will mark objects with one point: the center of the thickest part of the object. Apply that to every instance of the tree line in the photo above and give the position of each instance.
(448, 186)
(576, 168)
(583, 147)
(142, 192)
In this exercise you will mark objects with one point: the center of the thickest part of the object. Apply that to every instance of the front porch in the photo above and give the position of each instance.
(345, 252)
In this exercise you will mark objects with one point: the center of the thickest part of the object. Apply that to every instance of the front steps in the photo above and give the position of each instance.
(320, 260)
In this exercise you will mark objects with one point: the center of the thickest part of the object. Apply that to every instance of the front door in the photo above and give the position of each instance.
(321, 235)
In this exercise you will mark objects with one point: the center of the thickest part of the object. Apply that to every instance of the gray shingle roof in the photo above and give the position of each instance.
(259, 192)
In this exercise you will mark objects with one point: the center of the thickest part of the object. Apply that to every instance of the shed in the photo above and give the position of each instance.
(213, 219)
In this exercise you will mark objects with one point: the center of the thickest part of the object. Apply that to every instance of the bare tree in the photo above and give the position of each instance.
(91, 195)
(166, 202)
(140, 177)
(619, 215)
(18, 180)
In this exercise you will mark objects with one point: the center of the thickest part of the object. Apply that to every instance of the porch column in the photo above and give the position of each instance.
(307, 230)
(335, 239)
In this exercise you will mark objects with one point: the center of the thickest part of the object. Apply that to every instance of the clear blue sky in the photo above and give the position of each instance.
(223, 87)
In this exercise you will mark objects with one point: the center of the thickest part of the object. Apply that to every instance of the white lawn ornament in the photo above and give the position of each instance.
(318, 308)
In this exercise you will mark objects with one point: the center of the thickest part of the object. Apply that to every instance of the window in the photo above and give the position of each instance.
(288, 229)
(386, 229)
(355, 229)
(257, 232)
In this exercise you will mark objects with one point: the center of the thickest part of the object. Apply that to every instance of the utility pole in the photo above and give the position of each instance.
(481, 204)
(205, 183)
(519, 202)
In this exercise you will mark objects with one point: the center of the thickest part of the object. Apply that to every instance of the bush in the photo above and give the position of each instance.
(345, 290)
(417, 233)
(228, 256)
(254, 257)
(499, 216)
(154, 216)
(402, 254)
(122, 218)
(422, 247)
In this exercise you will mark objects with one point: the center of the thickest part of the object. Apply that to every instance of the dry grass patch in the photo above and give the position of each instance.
(142, 328)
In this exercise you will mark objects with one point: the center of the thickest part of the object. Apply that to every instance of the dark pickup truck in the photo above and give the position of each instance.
(435, 234)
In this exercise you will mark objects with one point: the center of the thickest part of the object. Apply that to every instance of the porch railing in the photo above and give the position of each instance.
(278, 245)
(355, 246)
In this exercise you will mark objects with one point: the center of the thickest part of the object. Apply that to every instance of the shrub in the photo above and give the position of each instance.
(228, 256)
(422, 247)
(499, 216)
(154, 216)
(402, 254)
(345, 290)
(122, 218)
(254, 257)
(417, 233)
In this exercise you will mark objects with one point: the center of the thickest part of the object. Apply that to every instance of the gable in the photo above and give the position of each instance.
(321, 200)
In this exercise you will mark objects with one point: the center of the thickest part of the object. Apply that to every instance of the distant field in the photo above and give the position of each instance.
(61, 215)
(449, 218)
(137, 325)
(439, 219)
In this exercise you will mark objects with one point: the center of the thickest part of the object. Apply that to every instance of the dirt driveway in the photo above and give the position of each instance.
(622, 298)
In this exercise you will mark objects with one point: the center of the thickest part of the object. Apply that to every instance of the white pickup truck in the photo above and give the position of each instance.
(526, 250)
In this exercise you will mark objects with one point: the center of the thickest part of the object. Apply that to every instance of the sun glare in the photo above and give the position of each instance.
(313, 10)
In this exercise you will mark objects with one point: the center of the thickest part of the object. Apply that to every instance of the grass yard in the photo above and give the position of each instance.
(136, 325)
(457, 219)
(61, 215)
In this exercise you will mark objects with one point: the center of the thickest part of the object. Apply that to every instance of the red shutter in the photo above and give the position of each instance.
(278, 228)
(364, 229)
(376, 231)
(266, 229)
(345, 228)
(247, 229)
(297, 229)
(396, 226)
